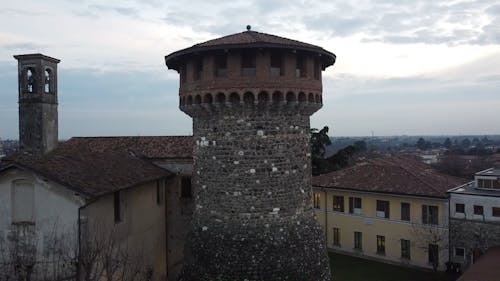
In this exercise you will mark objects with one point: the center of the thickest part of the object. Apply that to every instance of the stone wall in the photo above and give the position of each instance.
(253, 218)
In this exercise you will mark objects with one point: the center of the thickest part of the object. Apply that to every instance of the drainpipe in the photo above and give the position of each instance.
(449, 228)
(326, 220)
(165, 219)
(79, 247)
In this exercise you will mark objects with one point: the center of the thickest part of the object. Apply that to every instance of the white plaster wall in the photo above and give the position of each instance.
(55, 207)
(469, 201)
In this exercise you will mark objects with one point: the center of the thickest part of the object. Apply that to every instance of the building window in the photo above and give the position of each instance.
(160, 192)
(23, 202)
(355, 205)
(221, 65)
(338, 203)
(30, 80)
(317, 69)
(405, 211)
(433, 252)
(183, 69)
(405, 249)
(478, 210)
(276, 64)
(248, 64)
(382, 209)
(380, 245)
(358, 240)
(336, 236)
(119, 205)
(495, 211)
(460, 253)
(459, 208)
(47, 83)
(300, 67)
(317, 202)
(186, 188)
(430, 214)
(198, 69)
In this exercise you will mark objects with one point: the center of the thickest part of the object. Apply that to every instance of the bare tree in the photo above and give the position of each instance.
(105, 255)
(432, 239)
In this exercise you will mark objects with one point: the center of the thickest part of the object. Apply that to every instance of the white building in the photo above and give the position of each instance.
(475, 217)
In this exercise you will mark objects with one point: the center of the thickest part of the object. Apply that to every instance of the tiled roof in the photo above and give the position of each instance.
(391, 175)
(153, 147)
(485, 268)
(250, 39)
(97, 165)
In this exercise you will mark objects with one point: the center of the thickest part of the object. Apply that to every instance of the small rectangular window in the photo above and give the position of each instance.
(248, 64)
(380, 245)
(358, 240)
(221, 65)
(430, 214)
(23, 202)
(460, 252)
(382, 209)
(336, 236)
(338, 203)
(433, 252)
(276, 64)
(459, 208)
(198, 69)
(405, 211)
(317, 69)
(478, 210)
(405, 249)
(300, 68)
(317, 197)
(186, 191)
(495, 211)
(119, 205)
(355, 205)
(183, 73)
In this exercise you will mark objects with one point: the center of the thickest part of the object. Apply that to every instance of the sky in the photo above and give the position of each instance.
(404, 67)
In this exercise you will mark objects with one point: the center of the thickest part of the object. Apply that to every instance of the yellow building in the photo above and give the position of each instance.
(389, 209)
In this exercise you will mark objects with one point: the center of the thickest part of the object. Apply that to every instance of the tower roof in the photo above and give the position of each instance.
(250, 39)
(36, 56)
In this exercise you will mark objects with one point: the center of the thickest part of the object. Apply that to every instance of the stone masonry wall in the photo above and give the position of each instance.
(253, 218)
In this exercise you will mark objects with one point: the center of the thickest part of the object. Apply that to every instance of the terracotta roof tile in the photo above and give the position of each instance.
(153, 147)
(485, 268)
(98, 165)
(248, 37)
(391, 175)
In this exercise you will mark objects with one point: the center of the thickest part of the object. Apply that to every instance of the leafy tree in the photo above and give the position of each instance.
(447, 143)
(319, 140)
(465, 143)
(422, 144)
(360, 146)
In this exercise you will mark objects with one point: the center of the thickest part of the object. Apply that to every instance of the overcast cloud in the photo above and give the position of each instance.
(403, 67)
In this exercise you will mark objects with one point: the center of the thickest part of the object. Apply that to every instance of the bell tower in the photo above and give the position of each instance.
(38, 117)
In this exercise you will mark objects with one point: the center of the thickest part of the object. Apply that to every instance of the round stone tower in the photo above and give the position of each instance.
(250, 95)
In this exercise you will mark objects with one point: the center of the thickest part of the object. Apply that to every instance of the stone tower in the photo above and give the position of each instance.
(38, 118)
(250, 95)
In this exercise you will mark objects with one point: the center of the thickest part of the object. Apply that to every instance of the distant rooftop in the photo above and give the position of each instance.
(392, 175)
(489, 172)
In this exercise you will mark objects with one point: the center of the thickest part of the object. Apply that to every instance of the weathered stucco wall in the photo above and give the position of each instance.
(55, 208)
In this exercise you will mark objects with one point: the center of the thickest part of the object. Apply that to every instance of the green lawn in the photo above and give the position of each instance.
(347, 268)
